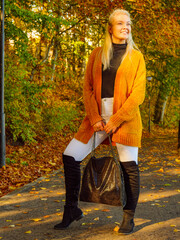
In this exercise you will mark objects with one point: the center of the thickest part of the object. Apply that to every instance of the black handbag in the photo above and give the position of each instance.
(103, 181)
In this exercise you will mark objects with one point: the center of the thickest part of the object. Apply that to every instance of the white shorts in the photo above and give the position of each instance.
(79, 150)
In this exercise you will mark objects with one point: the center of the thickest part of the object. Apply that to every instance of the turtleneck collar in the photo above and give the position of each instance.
(119, 46)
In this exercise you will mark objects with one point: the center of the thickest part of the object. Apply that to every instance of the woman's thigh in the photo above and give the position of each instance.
(127, 153)
(79, 150)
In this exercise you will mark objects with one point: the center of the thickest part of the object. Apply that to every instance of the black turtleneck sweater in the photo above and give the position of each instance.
(108, 76)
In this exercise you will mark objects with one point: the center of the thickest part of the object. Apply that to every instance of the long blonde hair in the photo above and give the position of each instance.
(107, 51)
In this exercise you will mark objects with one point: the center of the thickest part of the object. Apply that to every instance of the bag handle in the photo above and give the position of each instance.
(93, 148)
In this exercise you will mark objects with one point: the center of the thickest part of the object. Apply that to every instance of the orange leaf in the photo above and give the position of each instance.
(105, 210)
(116, 229)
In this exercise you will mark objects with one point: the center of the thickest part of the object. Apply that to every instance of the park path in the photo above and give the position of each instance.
(30, 212)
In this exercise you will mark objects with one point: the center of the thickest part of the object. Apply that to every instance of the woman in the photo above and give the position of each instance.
(114, 87)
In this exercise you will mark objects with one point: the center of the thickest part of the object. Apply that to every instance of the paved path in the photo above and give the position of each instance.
(31, 212)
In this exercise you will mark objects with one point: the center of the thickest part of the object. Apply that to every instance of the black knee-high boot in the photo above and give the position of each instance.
(72, 175)
(132, 187)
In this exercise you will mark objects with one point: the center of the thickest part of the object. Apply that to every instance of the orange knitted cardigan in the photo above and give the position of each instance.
(129, 93)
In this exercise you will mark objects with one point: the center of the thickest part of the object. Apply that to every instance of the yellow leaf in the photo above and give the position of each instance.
(42, 188)
(87, 224)
(29, 232)
(88, 210)
(19, 195)
(172, 225)
(117, 223)
(36, 219)
(12, 226)
(116, 229)
(47, 180)
(56, 200)
(167, 184)
(59, 193)
(53, 164)
(96, 209)
(109, 216)
(8, 220)
(44, 199)
(12, 188)
(96, 219)
(46, 169)
(176, 230)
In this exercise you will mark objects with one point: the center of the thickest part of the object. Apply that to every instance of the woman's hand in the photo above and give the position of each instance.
(109, 127)
(99, 126)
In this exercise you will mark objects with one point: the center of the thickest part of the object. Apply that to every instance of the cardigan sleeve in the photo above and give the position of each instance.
(131, 105)
(90, 102)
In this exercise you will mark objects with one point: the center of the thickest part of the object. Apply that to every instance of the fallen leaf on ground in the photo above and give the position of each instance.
(88, 210)
(87, 224)
(160, 170)
(36, 219)
(117, 223)
(105, 210)
(116, 229)
(59, 214)
(44, 199)
(12, 226)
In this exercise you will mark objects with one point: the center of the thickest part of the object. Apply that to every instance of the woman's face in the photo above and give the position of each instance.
(121, 28)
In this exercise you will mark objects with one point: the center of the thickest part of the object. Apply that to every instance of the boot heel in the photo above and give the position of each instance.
(81, 216)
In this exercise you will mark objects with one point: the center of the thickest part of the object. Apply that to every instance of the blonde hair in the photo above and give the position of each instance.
(107, 51)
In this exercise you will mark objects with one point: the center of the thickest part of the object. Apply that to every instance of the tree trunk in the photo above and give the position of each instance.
(55, 55)
(160, 107)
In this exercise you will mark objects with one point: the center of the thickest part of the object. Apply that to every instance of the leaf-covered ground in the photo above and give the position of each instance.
(31, 211)
(29, 162)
